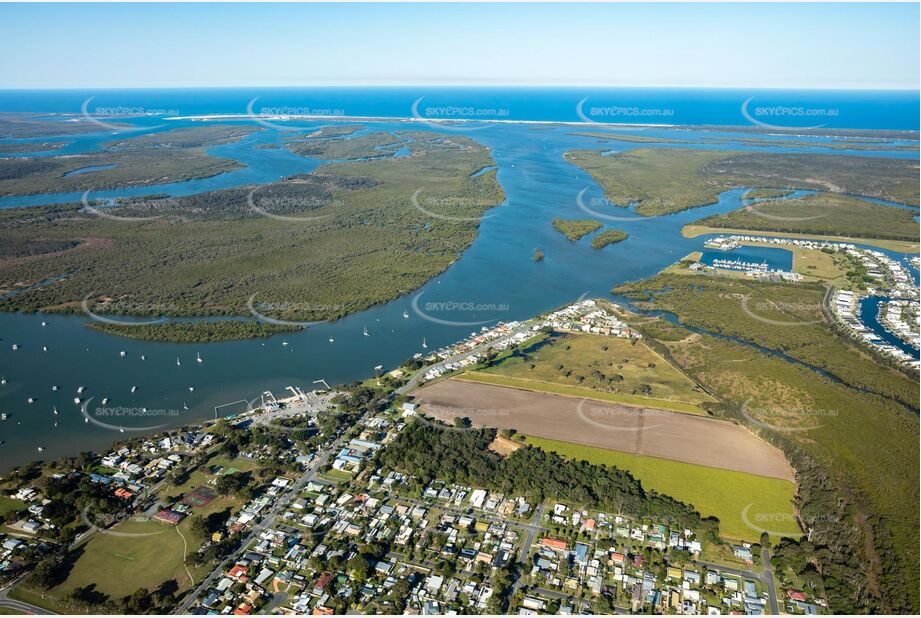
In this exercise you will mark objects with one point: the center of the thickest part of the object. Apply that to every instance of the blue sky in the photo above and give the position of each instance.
(704, 45)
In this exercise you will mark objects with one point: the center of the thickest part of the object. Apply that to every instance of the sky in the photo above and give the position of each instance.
(867, 46)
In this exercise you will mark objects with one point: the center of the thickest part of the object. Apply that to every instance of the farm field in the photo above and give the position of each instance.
(606, 364)
(723, 494)
(645, 431)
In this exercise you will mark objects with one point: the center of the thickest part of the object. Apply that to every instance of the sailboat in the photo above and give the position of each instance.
(178, 364)
(143, 357)
(44, 348)
(424, 345)
(365, 332)
(54, 387)
(105, 400)
(2, 380)
(134, 388)
(184, 406)
(55, 410)
(284, 343)
(198, 358)
(191, 389)
(405, 314)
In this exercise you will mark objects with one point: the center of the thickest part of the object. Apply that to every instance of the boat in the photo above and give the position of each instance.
(424, 345)
(41, 448)
(3, 416)
(365, 332)
(86, 419)
(44, 348)
(77, 400)
(54, 387)
(80, 389)
(15, 347)
(378, 367)
(44, 324)
(143, 357)
(55, 410)
(121, 430)
(105, 400)
(199, 358)
(178, 364)
(122, 354)
(31, 400)
(134, 388)
(184, 406)
(191, 389)
(284, 343)
(2, 380)
(405, 314)
(331, 339)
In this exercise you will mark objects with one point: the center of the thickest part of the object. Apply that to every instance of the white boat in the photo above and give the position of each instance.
(331, 339)
(121, 430)
(54, 387)
(55, 410)
(405, 314)
(41, 448)
(31, 400)
(44, 324)
(15, 346)
(105, 400)
(178, 364)
(3, 416)
(191, 389)
(284, 343)
(365, 332)
(80, 389)
(86, 420)
(143, 357)
(424, 345)
(199, 358)
(378, 367)
(2, 380)
(134, 388)
(184, 406)
(44, 348)
(122, 354)
(77, 400)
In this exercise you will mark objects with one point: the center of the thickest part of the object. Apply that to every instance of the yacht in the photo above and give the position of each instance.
(3, 416)
(134, 388)
(2, 380)
(80, 389)
(424, 345)
(77, 400)
(54, 387)
(284, 343)
(178, 364)
(405, 314)
(365, 332)
(143, 357)
(122, 354)
(191, 389)
(41, 448)
(15, 347)
(331, 339)
(44, 348)
(55, 410)
(105, 400)
(198, 358)
(44, 323)
(31, 400)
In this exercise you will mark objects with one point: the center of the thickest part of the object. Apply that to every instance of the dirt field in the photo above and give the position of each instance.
(646, 431)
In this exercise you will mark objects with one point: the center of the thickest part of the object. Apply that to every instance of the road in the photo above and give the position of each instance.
(414, 380)
(267, 522)
(21, 606)
(766, 576)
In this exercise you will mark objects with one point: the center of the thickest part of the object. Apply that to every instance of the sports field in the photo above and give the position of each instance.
(744, 503)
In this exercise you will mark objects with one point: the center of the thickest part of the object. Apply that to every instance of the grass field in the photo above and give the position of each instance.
(576, 391)
(693, 231)
(609, 365)
(8, 504)
(724, 494)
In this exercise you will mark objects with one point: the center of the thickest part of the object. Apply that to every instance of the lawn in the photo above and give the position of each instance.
(8, 504)
(724, 494)
(609, 365)
(120, 565)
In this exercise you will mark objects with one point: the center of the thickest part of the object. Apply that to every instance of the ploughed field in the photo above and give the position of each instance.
(643, 431)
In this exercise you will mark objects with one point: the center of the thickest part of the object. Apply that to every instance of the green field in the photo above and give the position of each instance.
(120, 565)
(608, 365)
(723, 494)
(8, 504)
